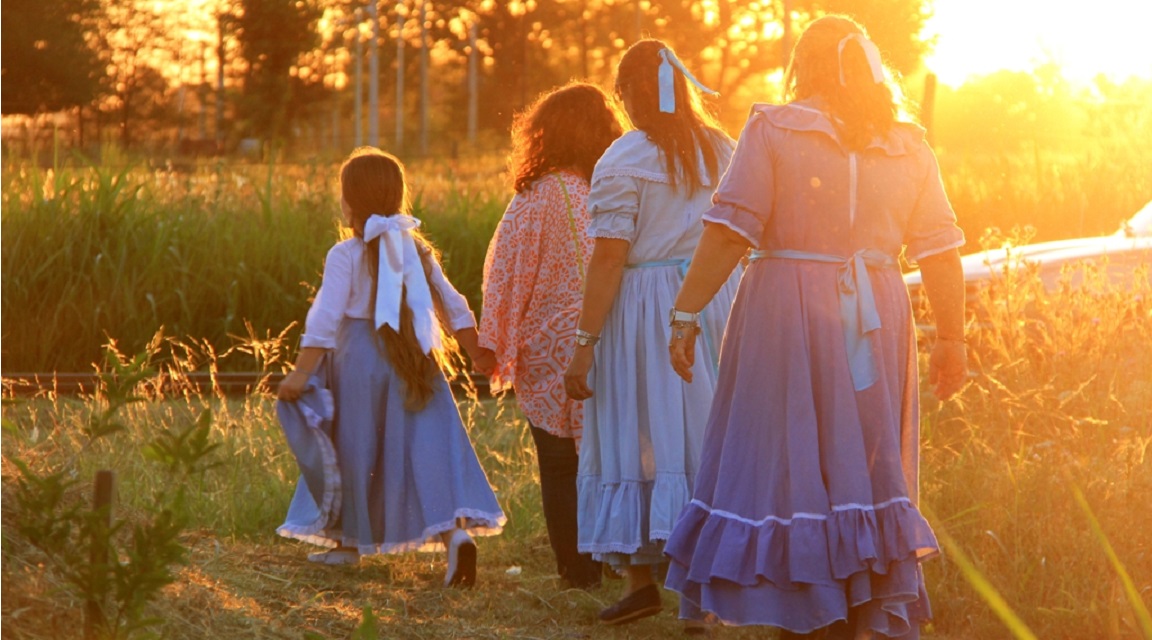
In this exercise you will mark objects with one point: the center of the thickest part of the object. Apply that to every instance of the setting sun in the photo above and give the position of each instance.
(977, 37)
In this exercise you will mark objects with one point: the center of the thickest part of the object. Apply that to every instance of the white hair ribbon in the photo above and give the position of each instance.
(400, 268)
(871, 53)
(665, 80)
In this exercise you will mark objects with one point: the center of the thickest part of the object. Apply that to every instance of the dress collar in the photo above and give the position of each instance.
(806, 115)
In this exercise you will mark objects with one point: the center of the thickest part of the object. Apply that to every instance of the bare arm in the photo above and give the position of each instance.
(605, 271)
(944, 285)
(483, 359)
(718, 253)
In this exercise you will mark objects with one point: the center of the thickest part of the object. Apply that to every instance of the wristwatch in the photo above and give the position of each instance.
(676, 316)
(585, 339)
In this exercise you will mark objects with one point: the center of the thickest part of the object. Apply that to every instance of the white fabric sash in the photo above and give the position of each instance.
(400, 267)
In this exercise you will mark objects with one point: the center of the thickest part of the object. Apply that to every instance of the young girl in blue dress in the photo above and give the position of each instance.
(387, 466)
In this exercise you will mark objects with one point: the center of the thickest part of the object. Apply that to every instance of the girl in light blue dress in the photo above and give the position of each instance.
(387, 466)
(643, 425)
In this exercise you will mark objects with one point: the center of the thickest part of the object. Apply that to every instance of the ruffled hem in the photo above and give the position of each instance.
(803, 549)
(804, 572)
(479, 524)
(306, 534)
(627, 516)
(304, 423)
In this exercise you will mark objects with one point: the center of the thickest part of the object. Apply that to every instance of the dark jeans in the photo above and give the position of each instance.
(559, 461)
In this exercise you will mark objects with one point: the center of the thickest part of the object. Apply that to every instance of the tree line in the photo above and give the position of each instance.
(205, 74)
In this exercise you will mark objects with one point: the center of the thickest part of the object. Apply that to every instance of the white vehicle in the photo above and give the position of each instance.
(1120, 256)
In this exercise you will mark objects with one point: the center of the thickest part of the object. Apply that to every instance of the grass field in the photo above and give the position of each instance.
(210, 269)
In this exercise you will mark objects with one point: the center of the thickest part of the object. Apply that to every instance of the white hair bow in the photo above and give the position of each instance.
(871, 53)
(400, 267)
(665, 80)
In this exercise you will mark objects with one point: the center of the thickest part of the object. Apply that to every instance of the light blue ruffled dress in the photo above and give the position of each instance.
(374, 475)
(644, 425)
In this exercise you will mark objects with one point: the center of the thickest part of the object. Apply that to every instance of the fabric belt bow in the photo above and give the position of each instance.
(858, 314)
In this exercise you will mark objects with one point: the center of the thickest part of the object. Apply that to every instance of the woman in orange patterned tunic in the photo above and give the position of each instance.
(533, 282)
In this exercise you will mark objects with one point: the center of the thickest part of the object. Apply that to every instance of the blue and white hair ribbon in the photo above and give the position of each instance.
(871, 54)
(400, 268)
(665, 79)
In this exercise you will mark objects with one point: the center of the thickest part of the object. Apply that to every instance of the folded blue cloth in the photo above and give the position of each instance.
(307, 425)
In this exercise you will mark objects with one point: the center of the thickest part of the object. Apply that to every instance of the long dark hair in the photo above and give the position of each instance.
(678, 134)
(372, 182)
(860, 108)
(567, 128)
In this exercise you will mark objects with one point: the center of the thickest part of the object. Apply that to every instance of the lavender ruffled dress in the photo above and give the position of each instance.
(805, 502)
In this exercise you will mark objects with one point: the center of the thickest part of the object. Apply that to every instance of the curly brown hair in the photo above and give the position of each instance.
(860, 108)
(372, 182)
(566, 128)
(678, 134)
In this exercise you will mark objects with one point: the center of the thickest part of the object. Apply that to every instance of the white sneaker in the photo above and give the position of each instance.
(335, 556)
(461, 561)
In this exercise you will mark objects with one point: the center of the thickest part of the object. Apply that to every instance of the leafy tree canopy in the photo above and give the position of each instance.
(48, 63)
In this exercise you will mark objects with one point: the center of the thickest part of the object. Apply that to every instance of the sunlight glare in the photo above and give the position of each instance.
(979, 37)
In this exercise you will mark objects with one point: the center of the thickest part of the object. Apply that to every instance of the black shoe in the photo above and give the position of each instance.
(641, 603)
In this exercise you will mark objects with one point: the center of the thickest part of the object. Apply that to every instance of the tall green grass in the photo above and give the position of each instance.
(221, 256)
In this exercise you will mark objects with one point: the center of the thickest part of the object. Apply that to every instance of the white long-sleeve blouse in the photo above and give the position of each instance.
(346, 292)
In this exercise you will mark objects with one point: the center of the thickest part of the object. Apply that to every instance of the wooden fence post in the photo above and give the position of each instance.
(928, 107)
(98, 554)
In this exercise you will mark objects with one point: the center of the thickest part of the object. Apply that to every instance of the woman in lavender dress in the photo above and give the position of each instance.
(804, 514)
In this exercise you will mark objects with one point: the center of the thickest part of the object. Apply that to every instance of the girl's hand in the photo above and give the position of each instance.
(292, 386)
(947, 368)
(682, 350)
(483, 361)
(576, 377)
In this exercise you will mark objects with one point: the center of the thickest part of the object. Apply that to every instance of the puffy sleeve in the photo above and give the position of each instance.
(323, 320)
(455, 304)
(743, 200)
(512, 258)
(932, 227)
(613, 204)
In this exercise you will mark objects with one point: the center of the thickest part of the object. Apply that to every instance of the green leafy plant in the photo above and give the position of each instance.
(117, 565)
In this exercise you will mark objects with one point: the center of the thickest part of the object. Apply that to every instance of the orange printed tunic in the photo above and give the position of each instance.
(533, 283)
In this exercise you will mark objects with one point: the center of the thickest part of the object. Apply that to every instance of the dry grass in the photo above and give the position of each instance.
(244, 582)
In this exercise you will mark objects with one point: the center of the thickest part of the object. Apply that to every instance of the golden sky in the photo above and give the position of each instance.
(1083, 38)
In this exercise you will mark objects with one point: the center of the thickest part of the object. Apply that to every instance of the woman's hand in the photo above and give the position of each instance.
(292, 386)
(576, 377)
(483, 361)
(947, 368)
(682, 349)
